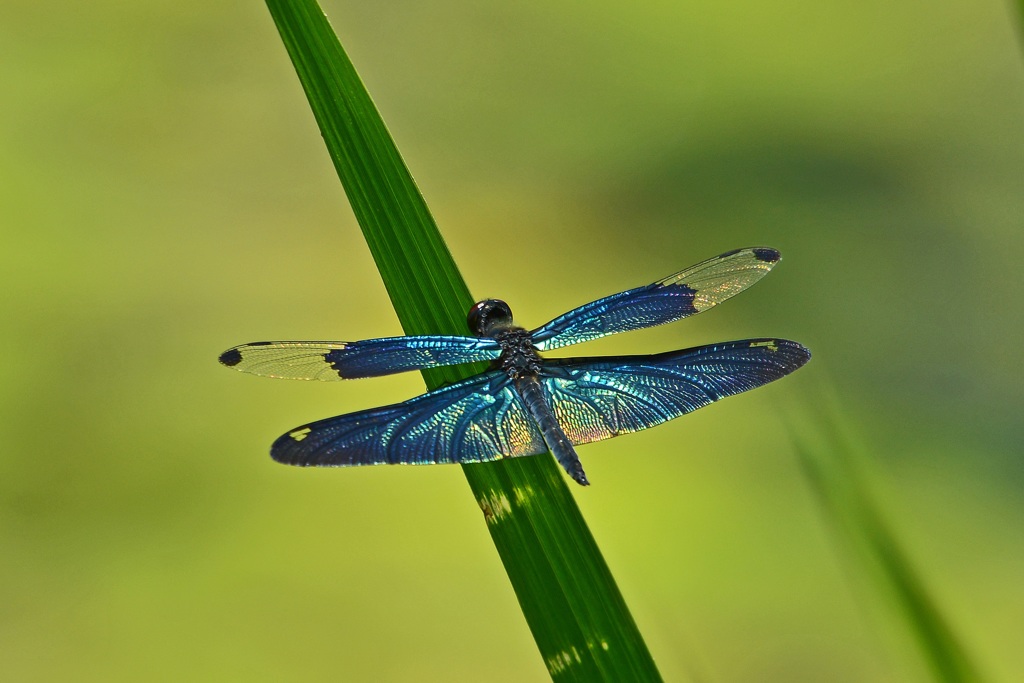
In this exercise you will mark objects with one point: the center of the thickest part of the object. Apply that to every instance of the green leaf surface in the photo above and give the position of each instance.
(577, 615)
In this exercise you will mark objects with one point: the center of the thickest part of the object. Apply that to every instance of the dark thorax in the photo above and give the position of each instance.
(518, 356)
(493, 318)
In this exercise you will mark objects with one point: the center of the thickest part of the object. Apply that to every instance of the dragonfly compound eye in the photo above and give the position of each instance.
(486, 315)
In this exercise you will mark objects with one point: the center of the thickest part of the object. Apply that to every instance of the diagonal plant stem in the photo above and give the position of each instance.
(835, 468)
(574, 609)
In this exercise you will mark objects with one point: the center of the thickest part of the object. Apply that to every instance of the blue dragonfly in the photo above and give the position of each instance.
(524, 404)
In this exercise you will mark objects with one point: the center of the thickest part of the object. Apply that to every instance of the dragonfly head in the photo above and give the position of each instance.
(489, 316)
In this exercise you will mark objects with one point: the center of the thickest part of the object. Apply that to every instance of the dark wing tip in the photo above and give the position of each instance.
(797, 354)
(231, 358)
(285, 451)
(767, 254)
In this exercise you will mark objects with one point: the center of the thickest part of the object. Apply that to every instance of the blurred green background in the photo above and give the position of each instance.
(166, 195)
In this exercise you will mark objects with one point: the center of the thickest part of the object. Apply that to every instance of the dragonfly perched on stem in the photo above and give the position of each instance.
(525, 404)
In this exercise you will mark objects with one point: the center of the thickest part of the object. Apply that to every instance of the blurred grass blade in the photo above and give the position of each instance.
(571, 603)
(833, 466)
(1019, 21)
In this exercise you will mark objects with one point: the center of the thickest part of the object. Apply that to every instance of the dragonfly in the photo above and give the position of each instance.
(525, 404)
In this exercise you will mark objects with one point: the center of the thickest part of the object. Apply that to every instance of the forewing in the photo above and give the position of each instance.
(596, 399)
(330, 361)
(677, 296)
(478, 419)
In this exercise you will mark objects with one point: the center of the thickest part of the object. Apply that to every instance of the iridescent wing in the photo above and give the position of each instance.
(677, 296)
(475, 420)
(598, 398)
(329, 361)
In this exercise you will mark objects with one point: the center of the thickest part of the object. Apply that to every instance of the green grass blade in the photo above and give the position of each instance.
(1019, 23)
(834, 469)
(577, 616)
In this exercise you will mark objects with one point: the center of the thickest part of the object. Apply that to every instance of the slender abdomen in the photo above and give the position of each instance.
(530, 390)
